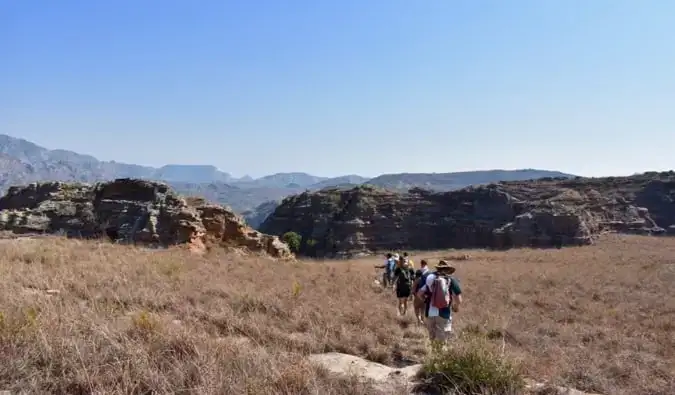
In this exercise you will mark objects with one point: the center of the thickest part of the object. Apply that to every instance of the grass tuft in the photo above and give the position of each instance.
(471, 365)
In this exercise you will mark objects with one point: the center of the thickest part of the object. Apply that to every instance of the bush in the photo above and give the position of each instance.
(471, 365)
(293, 240)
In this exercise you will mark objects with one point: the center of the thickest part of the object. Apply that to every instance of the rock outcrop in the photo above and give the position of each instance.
(546, 212)
(388, 380)
(129, 210)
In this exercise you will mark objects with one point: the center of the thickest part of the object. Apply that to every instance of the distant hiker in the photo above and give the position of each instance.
(392, 262)
(424, 266)
(389, 266)
(403, 279)
(410, 261)
(442, 295)
(418, 302)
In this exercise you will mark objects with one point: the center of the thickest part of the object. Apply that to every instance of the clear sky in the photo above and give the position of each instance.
(341, 87)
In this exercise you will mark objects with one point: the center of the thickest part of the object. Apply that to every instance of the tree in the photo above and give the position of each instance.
(293, 240)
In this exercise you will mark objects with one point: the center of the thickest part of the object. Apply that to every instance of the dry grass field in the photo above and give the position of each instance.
(80, 317)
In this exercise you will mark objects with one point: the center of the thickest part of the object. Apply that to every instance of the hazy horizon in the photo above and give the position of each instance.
(335, 175)
(339, 88)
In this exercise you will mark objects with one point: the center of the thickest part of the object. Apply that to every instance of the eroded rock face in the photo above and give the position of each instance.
(549, 212)
(228, 229)
(131, 210)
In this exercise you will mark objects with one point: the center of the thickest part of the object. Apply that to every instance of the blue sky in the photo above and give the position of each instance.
(343, 87)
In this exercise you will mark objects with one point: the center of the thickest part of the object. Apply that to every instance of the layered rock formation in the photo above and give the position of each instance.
(547, 212)
(130, 210)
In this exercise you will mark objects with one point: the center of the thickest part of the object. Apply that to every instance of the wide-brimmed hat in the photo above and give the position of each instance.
(396, 257)
(444, 266)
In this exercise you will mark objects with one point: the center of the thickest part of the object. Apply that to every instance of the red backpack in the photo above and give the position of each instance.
(439, 298)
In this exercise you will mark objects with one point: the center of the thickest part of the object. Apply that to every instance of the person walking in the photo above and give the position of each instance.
(443, 296)
(418, 302)
(410, 261)
(403, 279)
(389, 266)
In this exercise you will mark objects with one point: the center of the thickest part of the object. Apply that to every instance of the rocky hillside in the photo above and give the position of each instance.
(129, 210)
(547, 212)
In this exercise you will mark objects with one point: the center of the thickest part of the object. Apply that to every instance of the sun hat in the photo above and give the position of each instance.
(444, 266)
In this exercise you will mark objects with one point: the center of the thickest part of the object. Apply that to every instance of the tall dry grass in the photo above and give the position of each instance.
(87, 317)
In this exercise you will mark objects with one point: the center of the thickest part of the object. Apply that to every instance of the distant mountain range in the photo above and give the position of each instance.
(23, 162)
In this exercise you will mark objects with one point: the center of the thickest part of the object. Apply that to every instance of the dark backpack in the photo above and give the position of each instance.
(405, 278)
(423, 280)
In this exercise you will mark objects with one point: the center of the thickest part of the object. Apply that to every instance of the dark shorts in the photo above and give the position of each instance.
(403, 293)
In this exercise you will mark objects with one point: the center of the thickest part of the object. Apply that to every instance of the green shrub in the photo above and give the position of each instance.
(471, 365)
(311, 243)
(293, 240)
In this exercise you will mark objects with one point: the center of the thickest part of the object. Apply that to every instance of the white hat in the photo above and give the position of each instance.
(396, 257)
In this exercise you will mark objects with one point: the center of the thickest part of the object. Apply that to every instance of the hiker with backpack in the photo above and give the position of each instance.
(442, 295)
(403, 279)
(420, 278)
(393, 263)
(389, 266)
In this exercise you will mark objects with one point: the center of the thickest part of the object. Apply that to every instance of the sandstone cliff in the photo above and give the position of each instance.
(129, 210)
(547, 212)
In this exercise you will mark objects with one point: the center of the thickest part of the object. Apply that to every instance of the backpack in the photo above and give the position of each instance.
(391, 266)
(422, 280)
(440, 299)
(405, 278)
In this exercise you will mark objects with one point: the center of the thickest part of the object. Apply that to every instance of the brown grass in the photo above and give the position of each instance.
(136, 321)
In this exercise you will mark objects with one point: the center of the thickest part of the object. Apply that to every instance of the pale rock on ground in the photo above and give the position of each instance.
(387, 379)
(384, 378)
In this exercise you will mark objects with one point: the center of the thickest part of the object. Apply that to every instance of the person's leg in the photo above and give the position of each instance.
(430, 327)
(435, 336)
(446, 328)
(418, 306)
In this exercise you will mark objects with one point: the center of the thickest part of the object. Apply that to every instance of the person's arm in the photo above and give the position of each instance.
(456, 291)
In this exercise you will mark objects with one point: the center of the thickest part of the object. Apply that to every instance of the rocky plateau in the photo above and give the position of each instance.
(549, 212)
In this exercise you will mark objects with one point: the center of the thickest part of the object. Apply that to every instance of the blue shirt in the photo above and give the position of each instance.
(391, 264)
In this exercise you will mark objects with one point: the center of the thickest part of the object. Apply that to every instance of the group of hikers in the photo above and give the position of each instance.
(435, 294)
